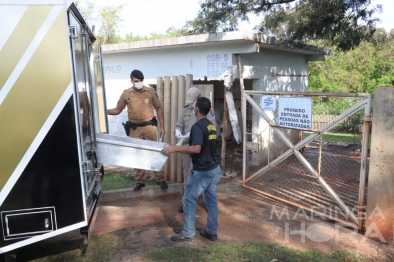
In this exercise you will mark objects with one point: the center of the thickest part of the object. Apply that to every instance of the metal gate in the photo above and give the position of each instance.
(322, 169)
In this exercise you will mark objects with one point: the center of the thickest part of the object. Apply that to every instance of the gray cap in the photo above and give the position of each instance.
(192, 94)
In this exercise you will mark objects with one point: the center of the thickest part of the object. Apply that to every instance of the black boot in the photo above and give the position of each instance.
(138, 186)
(211, 237)
(163, 184)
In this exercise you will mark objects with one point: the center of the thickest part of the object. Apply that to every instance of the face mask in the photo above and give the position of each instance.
(139, 85)
(193, 105)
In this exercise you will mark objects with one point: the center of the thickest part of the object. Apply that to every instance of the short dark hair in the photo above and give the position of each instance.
(204, 105)
(137, 74)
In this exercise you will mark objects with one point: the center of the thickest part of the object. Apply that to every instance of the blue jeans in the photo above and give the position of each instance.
(201, 182)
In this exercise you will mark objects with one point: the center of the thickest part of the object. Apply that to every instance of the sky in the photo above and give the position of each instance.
(143, 17)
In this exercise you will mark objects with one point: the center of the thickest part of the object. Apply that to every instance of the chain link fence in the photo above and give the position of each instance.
(320, 170)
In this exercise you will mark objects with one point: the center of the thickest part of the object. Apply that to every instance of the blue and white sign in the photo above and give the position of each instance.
(268, 103)
(295, 112)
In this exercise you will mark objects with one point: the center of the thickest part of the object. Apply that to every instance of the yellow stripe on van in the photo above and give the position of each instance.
(20, 39)
(33, 96)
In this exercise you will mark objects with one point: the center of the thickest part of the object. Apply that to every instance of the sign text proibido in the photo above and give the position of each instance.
(295, 112)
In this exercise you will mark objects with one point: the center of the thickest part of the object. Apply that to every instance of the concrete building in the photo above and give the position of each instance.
(267, 64)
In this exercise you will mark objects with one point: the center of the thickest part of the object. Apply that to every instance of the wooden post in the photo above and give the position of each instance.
(160, 93)
(181, 104)
(174, 118)
(167, 120)
(224, 134)
(182, 93)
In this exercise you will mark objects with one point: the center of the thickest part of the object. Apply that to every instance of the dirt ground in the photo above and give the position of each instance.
(243, 217)
(148, 223)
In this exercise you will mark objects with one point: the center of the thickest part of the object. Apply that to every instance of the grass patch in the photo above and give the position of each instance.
(350, 138)
(105, 247)
(113, 181)
(100, 248)
(336, 137)
(246, 252)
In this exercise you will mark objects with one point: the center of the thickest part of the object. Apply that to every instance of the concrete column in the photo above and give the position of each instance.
(380, 203)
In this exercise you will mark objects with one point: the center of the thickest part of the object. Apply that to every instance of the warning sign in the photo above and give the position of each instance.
(295, 112)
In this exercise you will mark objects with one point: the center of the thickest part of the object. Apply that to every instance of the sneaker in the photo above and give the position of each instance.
(163, 184)
(138, 186)
(182, 238)
(211, 237)
(180, 209)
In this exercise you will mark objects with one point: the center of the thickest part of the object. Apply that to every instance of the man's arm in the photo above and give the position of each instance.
(160, 114)
(195, 148)
(114, 111)
(119, 106)
(184, 149)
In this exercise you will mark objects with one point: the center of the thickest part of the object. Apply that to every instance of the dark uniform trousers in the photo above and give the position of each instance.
(147, 133)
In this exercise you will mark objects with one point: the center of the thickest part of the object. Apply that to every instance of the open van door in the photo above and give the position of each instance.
(85, 84)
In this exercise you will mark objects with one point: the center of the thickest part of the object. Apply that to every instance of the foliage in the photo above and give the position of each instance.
(344, 24)
(108, 20)
(88, 11)
(357, 71)
(109, 24)
(170, 32)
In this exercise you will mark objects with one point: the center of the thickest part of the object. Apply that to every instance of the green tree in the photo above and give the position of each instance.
(170, 32)
(109, 24)
(106, 18)
(359, 70)
(175, 32)
(130, 37)
(344, 23)
(88, 9)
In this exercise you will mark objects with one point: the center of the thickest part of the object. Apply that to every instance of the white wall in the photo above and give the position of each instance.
(201, 61)
(205, 60)
(259, 65)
